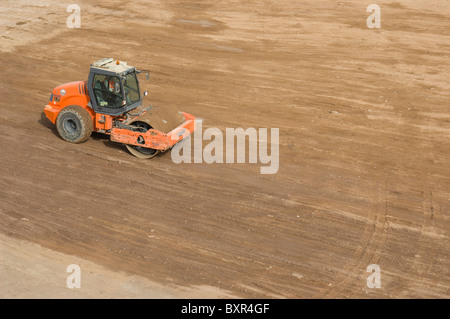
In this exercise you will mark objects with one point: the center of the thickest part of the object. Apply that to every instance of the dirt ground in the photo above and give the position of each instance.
(364, 172)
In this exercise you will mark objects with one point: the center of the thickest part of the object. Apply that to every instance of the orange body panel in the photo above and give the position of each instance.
(73, 93)
(51, 112)
(103, 122)
(154, 138)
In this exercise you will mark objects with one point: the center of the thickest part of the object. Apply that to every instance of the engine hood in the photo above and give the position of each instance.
(70, 89)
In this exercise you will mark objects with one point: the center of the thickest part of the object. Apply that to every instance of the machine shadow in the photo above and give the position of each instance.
(107, 142)
(117, 146)
(45, 122)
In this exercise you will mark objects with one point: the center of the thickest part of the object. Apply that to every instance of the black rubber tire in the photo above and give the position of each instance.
(74, 124)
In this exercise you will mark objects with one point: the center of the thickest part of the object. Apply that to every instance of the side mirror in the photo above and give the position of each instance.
(146, 72)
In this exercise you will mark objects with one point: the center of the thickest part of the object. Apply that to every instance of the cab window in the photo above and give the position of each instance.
(107, 91)
(131, 89)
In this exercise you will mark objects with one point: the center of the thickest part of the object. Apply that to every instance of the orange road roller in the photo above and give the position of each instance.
(111, 102)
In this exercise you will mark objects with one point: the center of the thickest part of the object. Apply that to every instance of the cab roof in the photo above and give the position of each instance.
(111, 65)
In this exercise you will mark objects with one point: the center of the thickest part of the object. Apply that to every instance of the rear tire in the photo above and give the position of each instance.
(74, 124)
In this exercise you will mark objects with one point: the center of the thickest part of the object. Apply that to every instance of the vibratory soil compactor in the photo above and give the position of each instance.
(110, 102)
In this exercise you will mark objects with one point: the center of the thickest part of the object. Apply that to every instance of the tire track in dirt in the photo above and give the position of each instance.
(369, 250)
(428, 244)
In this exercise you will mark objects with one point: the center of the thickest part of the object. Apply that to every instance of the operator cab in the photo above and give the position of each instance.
(113, 87)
